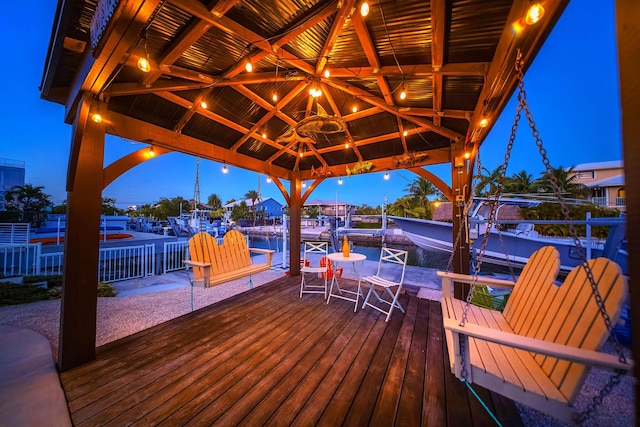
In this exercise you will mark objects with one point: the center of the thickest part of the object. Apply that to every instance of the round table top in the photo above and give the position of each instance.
(353, 257)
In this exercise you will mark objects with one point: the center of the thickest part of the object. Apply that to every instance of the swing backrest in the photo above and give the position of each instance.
(232, 255)
(565, 314)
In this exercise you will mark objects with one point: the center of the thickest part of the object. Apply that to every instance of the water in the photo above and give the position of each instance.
(417, 256)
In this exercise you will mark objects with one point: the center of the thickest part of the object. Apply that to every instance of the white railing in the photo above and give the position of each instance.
(20, 260)
(174, 254)
(621, 201)
(126, 262)
(599, 201)
(51, 263)
(14, 233)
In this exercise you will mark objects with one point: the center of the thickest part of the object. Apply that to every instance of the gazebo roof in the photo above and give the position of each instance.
(454, 59)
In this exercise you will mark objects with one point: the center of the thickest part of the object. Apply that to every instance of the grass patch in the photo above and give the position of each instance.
(28, 292)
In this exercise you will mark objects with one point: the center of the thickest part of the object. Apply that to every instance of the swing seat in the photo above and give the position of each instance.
(539, 350)
(214, 264)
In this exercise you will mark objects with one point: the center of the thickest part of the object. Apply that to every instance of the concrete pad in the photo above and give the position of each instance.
(30, 389)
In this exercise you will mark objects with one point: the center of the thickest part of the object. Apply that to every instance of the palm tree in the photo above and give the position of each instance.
(488, 182)
(30, 201)
(253, 195)
(520, 183)
(420, 189)
(566, 180)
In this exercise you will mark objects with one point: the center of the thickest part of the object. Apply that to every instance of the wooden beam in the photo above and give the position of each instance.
(128, 162)
(438, 42)
(434, 157)
(137, 130)
(336, 112)
(435, 180)
(85, 109)
(473, 69)
(309, 190)
(78, 307)
(375, 101)
(295, 215)
(373, 140)
(360, 114)
(628, 42)
(334, 32)
(282, 189)
(135, 88)
(284, 101)
(121, 33)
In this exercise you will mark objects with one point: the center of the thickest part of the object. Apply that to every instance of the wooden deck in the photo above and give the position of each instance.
(267, 357)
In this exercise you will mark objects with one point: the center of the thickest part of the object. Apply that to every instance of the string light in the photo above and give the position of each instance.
(405, 133)
(346, 145)
(304, 184)
(364, 8)
(143, 63)
(203, 104)
(467, 155)
(274, 97)
(403, 93)
(96, 117)
(484, 123)
(354, 108)
(152, 152)
(224, 168)
(268, 180)
(534, 14)
(327, 73)
(248, 66)
(386, 176)
(264, 135)
(339, 181)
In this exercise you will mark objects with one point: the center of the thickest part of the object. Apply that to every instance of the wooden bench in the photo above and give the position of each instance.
(214, 264)
(539, 350)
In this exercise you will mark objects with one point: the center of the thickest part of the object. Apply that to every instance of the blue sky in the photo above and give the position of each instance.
(572, 88)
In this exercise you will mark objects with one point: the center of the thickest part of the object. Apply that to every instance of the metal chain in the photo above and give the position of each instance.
(614, 380)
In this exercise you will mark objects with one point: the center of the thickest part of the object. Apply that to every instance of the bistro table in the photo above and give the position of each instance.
(345, 294)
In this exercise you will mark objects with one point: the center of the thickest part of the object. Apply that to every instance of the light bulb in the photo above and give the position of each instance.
(403, 94)
(144, 65)
(269, 180)
(248, 66)
(152, 152)
(386, 176)
(264, 135)
(203, 104)
(405, 133)
(484, 123)
(274, 97)
(346, 145)
(224, 169)
(340, 181)
(534, 14)
(301, 154)
(467, 155)
(436, 203)
(304, 185)
(364, 8)
(327, 73)
(96, 117)
(354, 108)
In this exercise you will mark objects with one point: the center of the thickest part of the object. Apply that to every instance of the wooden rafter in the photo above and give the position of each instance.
(374, 100)
(332, 37)
(374, 140)
(438, 42)
(264, 104)
(336, 112)
(473, 69)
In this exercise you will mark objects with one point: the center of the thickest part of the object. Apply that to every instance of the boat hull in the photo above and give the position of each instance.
(502, 248)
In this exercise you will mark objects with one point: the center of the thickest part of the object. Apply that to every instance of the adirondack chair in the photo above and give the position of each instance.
(539, 350)
(214, 264)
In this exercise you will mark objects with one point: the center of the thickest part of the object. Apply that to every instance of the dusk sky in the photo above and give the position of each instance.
(572, 88)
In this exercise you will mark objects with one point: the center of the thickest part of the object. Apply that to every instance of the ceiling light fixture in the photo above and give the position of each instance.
(534, 14)
(364, 8)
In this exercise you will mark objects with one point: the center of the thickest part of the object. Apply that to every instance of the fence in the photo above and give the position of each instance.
(14, 233)
(20, 260)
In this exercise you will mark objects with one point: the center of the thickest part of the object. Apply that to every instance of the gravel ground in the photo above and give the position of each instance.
(44, 317)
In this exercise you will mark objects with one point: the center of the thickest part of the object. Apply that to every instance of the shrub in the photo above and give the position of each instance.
(53, 281)
(14, 294)
(106, 290)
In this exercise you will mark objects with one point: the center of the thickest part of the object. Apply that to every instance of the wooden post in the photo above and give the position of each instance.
(77, 341)
(295, 213)
(461, 194)
(628, 35)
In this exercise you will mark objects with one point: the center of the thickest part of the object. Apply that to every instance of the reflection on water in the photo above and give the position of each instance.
(417, 256)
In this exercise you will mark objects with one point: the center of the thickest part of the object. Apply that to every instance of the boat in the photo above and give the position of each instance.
(515, 246)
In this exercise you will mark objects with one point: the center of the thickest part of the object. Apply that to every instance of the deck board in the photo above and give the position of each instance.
(268, 357)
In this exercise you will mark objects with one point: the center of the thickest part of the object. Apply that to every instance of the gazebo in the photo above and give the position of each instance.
(297, 90)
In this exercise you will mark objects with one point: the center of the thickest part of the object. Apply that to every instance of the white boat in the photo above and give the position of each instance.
(515, 246)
